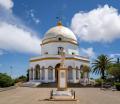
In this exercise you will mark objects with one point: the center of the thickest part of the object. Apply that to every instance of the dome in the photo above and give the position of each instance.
(60, 30)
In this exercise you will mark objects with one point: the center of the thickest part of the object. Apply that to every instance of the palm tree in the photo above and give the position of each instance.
(101, 64)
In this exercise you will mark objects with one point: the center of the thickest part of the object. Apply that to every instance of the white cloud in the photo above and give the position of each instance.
(114, 55)
(98, 25)
(15, 36)
(8, 4)
(88, 52)
(32, 16)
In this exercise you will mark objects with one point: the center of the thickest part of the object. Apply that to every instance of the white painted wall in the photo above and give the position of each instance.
(52, 48)
(53, 63)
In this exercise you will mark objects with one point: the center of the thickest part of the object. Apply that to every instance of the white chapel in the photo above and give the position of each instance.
(43, 68)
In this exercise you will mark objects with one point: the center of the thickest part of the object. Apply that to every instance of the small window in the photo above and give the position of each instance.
(59, 39)
(46, 52)
(73, 53)
(60, 49)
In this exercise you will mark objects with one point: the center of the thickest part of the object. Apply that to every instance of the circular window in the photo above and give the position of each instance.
(60, 39)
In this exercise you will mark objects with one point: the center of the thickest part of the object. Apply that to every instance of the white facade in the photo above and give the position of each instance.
(44, 67)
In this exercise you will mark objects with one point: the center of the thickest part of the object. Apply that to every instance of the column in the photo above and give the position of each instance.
(54, 75)
(79, 75)
(74, 75)
(46, 75)
(33, 74)
(29, 74)
(39, 74)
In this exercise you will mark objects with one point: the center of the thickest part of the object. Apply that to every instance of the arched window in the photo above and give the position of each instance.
(77, 73)
(60, 49)
(73, 53)
(50, 73)
(37, 72)
(46, 52)
(43, 73)
(70, 73)
(81, 67)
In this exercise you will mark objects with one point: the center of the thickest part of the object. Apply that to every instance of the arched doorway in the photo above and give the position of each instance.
(70, 76)
(37, 72)
(56, 71)
(50, 73)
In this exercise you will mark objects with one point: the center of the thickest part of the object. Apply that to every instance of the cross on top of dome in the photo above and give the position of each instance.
(59, 23)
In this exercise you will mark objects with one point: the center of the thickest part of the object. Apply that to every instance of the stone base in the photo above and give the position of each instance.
(63, 95)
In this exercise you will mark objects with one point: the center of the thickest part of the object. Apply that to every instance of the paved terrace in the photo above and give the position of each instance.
(24, 95)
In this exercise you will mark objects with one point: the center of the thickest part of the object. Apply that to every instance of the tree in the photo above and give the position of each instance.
(114, 70)
(5, 80)
(118, 60)
(85, 68)
(21, 79)
(101, 64)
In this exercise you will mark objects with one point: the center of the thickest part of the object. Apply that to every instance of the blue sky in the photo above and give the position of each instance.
(23, 23)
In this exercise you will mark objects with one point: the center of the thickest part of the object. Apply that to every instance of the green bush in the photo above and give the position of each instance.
(114, 70)
(21, 79)
(99, 82)
(5, 80)
(82, 74)
(117, 84)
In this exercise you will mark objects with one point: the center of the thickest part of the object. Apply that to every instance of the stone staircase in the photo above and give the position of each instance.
(54, 85)
(31, 84)
(46, 85)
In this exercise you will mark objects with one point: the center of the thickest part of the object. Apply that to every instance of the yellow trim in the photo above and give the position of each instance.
(56, 58)
(56, 37)
(58, 41)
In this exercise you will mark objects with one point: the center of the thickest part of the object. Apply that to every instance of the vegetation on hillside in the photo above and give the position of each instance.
(6, 80)
(21, 79)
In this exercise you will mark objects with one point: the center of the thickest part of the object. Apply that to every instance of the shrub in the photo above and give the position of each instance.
(21, 79)
(5, 80)
(117, 84)
(98, 82)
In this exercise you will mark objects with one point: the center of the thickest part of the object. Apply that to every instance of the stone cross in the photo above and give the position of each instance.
(62, 53)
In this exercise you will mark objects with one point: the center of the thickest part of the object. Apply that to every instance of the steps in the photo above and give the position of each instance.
(50, 84)
(54, 85)
(31, 84)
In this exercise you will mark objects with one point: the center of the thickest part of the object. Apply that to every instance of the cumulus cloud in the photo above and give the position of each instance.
(114, 55)
(88, 52)
(98, 25)
(15, 36)
(8, 4)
